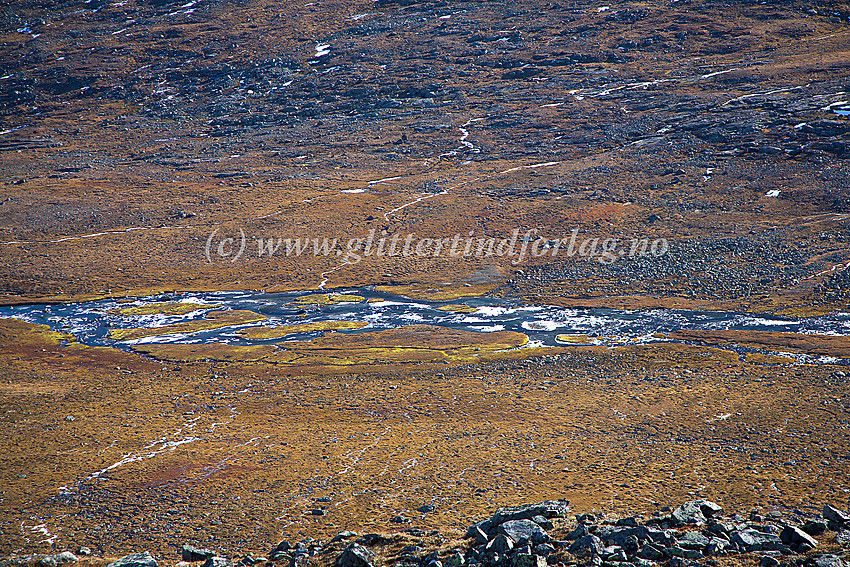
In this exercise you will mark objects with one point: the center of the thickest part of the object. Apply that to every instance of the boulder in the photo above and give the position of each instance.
(664, 537)
(588, 545)
(797, 539)
(614, 553)
(280, 551)
(631, 521)
(544, 523)
(614, 535)
(716, 545)
(501, 544)
(355, 555)
(652, 553)
(529, 561)
(696, 512)
(752, 540)
(216, 561)
(143, 559)
(722, 529)
(281, 546)
(524, 530)
(693, 540)
(828, 560)
(191, 553)
(683, 553)
(55, 559)
(485, 526)
(835, 514)
(547, 509)
(580, 531)
(814, 527)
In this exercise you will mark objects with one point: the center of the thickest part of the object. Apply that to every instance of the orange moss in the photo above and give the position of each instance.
(824, 345)
(207, 351)
(263, 333)
(164, 308)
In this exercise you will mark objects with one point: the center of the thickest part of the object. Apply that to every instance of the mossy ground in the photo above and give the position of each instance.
(163, 308)
(458, 308)
(411, 344)
(327, 299)
(230, 455)
(817, 345)
(264, 333)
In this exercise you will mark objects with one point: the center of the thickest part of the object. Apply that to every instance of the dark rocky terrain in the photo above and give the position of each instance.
(694, 534)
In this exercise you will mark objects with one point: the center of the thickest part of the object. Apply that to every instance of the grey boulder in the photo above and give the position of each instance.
(694, 540)
(529, 561)
(547, 509)
(814, 527)
(355, 555)
(63, 558)
(797, 539)
(544, 523)
(651, 553)
(614, 535)
(524, 530)
(192, 553)
(835, 514)
(484, 525)
(588, 545)
(829, 560)
(716, 545)
(143, 559)
(696, 512)
(753, 540)
(501, 544)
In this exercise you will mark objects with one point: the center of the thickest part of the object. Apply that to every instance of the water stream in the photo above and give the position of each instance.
(90, 322)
